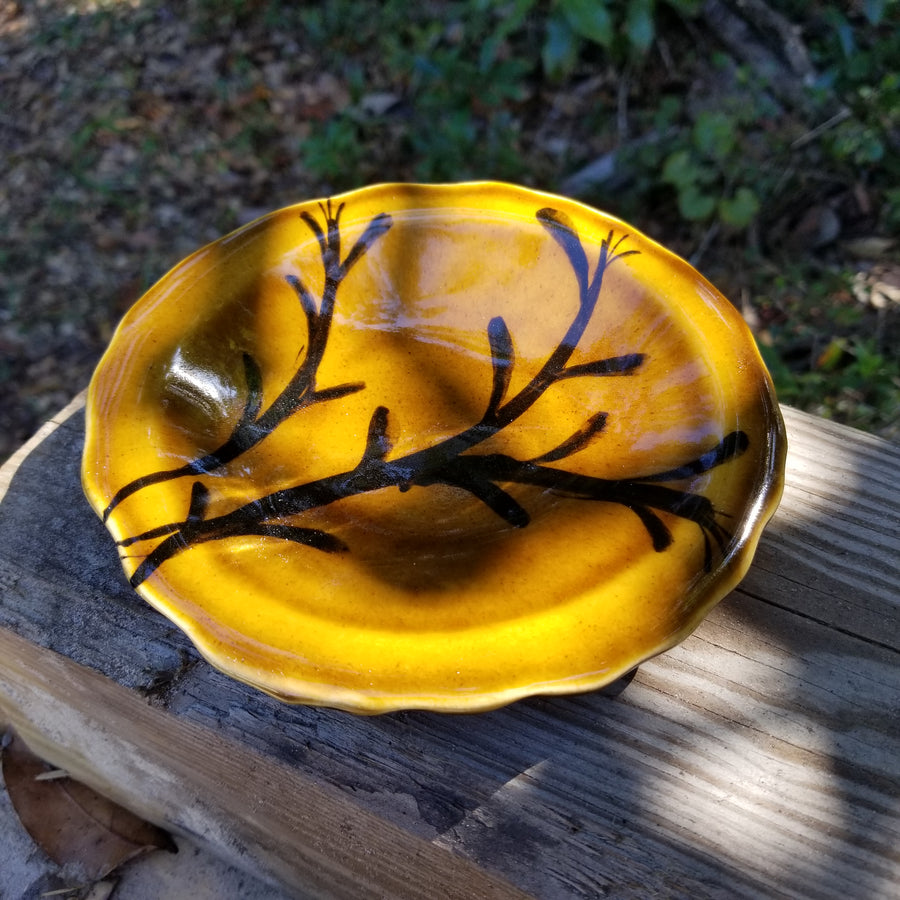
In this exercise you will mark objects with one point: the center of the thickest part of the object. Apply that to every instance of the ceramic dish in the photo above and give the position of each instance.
(433, 447)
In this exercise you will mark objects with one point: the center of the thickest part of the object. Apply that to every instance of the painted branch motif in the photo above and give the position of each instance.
(450, 462)
(301, 391)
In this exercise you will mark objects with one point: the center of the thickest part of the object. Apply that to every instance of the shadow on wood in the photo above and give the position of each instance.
(759, 757)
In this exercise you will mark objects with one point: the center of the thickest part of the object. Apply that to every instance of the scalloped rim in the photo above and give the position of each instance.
(322, 694)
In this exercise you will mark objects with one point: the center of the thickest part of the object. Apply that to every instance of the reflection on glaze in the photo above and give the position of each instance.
(199, 387)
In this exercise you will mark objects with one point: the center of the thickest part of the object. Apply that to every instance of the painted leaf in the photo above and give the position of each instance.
(80, 830)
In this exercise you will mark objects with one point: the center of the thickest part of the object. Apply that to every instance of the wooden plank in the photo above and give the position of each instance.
(837, 535)
(758, 758)
(272, 819)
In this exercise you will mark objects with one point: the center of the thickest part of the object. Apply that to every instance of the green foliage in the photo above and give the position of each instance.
(625, 28)
(459, 82)
(857, 57)
(335, 150)
(864, 139)
(708, 170)
(851, 380)
(588, 19)
(463, 68)
(560, 49)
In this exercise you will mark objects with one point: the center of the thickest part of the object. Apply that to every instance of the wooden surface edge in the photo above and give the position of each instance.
(283, 827)
(11, 466)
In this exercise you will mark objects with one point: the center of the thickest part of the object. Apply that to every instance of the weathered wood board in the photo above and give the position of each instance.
(759, 758)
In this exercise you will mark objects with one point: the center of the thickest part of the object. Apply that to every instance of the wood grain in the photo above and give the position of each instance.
(266, 816)
(759, 758)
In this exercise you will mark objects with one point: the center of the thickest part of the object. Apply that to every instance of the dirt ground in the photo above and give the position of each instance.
(132, 133)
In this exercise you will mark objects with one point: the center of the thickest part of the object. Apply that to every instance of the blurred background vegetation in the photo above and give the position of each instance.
(760, 139)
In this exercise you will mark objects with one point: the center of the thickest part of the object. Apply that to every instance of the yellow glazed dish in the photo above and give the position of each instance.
(433, 447)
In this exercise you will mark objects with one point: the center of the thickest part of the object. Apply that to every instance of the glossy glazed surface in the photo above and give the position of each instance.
(433, 446)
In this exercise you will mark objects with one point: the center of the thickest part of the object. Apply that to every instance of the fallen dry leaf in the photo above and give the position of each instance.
(80, 830)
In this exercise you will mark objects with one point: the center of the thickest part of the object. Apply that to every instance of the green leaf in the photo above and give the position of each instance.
(842, 28)
(667, 112)
(680, 170)
(560, 51)
(740, 209)
(590, 19)
(694, 204)
(873, 10)
(488, 54)
(871, 364)
(639, 24)
(713, 134)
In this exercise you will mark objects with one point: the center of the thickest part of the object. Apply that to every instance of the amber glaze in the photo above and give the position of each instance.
(433, 447)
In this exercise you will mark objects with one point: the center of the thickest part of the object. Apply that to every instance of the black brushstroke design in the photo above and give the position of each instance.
(301, 391)
(449, 462)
